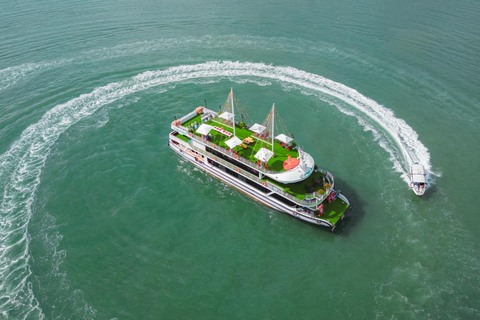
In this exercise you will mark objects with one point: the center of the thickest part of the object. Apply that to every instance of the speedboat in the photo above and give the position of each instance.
(418, 181)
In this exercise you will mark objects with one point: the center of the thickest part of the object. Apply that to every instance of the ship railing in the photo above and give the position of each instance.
(307, 212)
(331, 182)
(227, 152)
(310, 199)
(178, 140)
(313, 198)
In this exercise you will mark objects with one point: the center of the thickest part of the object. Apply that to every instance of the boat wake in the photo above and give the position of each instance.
(406, 148)
(22, 164)
(14, 74)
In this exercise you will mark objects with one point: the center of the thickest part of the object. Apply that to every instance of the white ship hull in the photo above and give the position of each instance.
(418, 181)
(265, 198)
(419, 191)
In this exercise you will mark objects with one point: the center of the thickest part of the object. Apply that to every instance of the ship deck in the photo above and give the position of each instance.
(303, 190)
(313, 186)
(334, 211)
(313, 183)
(274, 164)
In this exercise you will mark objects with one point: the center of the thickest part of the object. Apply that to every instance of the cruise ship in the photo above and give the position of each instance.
(260, 160)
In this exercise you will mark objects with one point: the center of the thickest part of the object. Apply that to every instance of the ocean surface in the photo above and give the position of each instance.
(99, 219)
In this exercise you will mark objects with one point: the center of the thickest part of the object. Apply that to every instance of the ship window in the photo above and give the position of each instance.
(238, 176)
(218, 165)
(231, 172)
(256, 185)
(232, 161)
(282, 199)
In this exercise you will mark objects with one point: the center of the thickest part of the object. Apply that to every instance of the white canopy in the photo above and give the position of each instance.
(227, 116)
(417, 173)
(233, 142)
(419, 178)
(264, 155)
(283, 138)
(257, 128)
(204, 129)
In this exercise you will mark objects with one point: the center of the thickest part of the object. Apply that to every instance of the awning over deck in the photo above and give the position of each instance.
(204, 129)
(257, 128)
(283, 138)
(417, 173)
(227, 116)
(233, 142)
(264, 155)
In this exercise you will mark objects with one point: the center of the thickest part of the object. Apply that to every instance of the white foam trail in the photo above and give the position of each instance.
(22, 164)
(12, 75)
(409, 148)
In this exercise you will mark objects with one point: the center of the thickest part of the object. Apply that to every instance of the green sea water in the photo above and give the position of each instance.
(99, 219)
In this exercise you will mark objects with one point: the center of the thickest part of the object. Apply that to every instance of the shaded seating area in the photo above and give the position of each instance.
(284, 141)
(264, 155)
(257, 128)
(204, 129)
(233, 142)
(250, 142)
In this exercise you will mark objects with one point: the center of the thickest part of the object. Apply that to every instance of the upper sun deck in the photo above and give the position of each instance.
(311, 188)
(246, 151)
(265, 162)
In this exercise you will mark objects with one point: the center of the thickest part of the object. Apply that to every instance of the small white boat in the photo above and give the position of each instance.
(418, 181)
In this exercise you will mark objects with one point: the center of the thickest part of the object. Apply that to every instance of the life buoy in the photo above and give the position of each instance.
(264, 183)
(238, 170)
(214, 158)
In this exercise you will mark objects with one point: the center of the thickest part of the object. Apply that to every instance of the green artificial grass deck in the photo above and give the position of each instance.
(181, 136)
(313, 183)
(195, 119)
(334, 211)
(275, 163)
(298, 190)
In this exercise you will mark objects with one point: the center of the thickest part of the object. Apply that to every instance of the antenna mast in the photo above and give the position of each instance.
(273, 124)
(233, 111)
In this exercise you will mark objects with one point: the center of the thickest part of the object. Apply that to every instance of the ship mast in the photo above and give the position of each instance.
(273, 124)
(233, 111)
